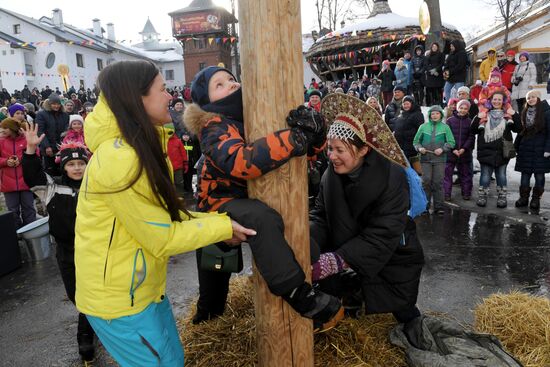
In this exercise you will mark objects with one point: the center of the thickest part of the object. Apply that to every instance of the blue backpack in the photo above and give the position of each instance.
(418, 200)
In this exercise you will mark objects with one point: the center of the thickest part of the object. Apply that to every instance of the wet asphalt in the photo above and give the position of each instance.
(470, 252)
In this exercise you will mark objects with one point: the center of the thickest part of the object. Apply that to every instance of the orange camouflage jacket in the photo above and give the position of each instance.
(230, 161)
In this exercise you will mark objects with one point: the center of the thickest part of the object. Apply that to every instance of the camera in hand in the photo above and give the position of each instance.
(518, 80)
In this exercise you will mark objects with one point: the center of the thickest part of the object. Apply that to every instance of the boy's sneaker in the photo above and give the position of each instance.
(325, 310)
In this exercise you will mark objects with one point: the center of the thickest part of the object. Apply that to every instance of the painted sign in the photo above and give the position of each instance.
(196, 23)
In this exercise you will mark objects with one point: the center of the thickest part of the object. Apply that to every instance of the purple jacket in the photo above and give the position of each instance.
(460, 126)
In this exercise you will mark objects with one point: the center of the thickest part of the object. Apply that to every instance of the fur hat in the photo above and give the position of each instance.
(463, 89)
(15, 107)
(199, 86)
(54, 98)
(72, 151)
(463, 101)
(524, 53)
(10, 124)
(350, 117)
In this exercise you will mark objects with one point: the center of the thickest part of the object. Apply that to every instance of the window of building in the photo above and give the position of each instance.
(169, 74)
(79, 60)
(50, 60)
(202, 65)
(82, 83)
(16, 28)
(29, 69)
(99, 64)
(542, 63)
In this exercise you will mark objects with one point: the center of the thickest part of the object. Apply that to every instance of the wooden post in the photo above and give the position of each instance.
(272, 79)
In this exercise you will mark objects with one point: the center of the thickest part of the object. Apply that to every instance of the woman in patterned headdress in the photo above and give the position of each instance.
(361, 219)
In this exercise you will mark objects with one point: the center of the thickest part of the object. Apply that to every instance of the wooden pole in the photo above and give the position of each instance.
(272, 79)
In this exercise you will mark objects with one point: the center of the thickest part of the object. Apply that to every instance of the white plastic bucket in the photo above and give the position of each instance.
(37, 238)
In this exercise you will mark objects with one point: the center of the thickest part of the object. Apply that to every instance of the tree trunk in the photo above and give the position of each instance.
(272, 77)
(435, 25)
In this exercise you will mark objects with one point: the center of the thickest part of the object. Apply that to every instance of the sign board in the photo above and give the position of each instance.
(196, 23)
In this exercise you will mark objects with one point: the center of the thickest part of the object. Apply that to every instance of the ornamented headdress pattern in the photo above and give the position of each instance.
(349, 116)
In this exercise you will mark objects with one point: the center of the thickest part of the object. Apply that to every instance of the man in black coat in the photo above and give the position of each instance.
(394, 107)
(456, 66)
(434, 75)
(52, 121)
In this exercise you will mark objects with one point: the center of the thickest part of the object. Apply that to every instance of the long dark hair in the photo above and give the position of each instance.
(123, 84)
(539, 125)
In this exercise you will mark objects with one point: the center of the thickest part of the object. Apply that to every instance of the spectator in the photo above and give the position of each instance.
(26, 93)
(75, 133)
(394, 107)
(401, 75)
(387, 78)
(178, 157)
(507, 69)
(52, 120)
(70, 108)
(406, 125)
(374, 103)
(533, 146)
(488, 65)
(315, 100)
(461, 156)
(434, 75)
(524, 79)
(418, 74)
(456, 66)
(433, 140)
(490, 149)
(463, 94)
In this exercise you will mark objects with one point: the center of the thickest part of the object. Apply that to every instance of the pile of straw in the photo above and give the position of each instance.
(230, 340)
(521, 322)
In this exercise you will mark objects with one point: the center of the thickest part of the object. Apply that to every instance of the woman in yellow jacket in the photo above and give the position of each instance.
(130, 220)
(487, 65)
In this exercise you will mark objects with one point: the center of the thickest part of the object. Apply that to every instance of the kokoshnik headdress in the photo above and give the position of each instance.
(349, 117)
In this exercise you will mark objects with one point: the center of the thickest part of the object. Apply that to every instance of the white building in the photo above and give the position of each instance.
(31, 51)
(529, 31)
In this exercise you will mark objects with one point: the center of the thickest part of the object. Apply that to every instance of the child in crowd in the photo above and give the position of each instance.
(461, 156)
(178, 157)
(216, 117)
(374, 103)
(451, 107)
(433, 140)
(475, 91)
(494, 84)
(17, 112)
(60, 198)
(75, 133)
(19, 198)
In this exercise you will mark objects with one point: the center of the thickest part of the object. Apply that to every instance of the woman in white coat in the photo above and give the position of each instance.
(524, 78)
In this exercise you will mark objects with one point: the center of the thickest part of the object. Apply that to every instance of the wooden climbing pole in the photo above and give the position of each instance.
(272, 79)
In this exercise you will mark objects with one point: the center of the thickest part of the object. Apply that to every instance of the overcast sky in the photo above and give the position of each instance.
(466, 15)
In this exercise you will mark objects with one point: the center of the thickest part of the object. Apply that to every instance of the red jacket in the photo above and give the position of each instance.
(474, 93)
(507, 70)
(12, 177)
(177, 154)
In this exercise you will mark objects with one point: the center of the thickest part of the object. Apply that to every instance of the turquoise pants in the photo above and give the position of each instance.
(149, 338)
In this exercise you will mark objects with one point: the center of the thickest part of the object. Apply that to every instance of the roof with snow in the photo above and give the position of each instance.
(161, 56)
(148, 28)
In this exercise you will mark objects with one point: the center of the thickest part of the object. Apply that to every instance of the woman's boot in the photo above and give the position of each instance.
(482, 196)
(535, 199)
(502, 202)
(523, 196)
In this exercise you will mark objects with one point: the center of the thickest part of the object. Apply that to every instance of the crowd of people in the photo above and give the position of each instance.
(127, 157)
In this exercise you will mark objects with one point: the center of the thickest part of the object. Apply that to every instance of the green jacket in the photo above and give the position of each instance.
(432, 135)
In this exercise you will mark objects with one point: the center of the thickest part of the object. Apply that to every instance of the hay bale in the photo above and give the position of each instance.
(522, 323)
(230, 340)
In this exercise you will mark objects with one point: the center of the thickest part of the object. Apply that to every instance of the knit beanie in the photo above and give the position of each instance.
(15, 107)
(495, 72)
(400, 88)
(408, 99)
(461, 102)
(315, 92)
(510, 53)
(464, 89)
(524, 53)
(177, 100)
(10, 124)
(73, 118)
(199, 86)
(72, 151)
(30, 107)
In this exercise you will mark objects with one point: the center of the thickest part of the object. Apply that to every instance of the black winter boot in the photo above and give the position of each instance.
(523, 196)
(325, 310)
(535, 199)
(85, 337)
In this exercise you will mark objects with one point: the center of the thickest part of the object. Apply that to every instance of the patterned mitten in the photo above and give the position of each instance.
(329, 263)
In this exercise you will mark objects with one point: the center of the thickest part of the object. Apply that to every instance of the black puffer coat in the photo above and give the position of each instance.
(434, 62)
(531, 146)
(387, 77)
(491, 153)
(418, 64)
(52, 124)
(364, 220)
(457, 63)
(405, 127)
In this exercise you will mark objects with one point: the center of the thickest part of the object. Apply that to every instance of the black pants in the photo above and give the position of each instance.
(65, 261)
(273, 256)
(433, 96)
(521, 103)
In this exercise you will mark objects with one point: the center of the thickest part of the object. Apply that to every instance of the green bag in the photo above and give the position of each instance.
(213, 258)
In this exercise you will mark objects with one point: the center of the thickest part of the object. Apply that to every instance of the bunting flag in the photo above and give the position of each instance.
(368, 50)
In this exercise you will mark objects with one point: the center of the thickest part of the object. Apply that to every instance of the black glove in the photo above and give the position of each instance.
(306, 119)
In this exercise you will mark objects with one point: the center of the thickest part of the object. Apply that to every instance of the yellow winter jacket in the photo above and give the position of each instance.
(124, 239)
(487, 66)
